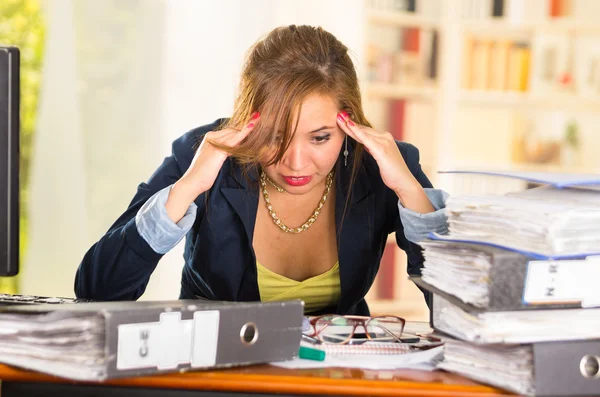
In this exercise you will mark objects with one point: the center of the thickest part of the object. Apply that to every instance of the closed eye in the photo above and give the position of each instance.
(320, 139)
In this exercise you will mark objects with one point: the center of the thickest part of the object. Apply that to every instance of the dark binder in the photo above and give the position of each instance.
(451, 316)
(546, 369)
(507, 281)
(102, 340)
(567, 368)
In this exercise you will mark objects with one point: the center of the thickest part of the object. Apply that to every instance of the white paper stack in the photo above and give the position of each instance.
(546, 221)
(518, 326)
(516, 282)
(60, 343)
(463, 272)
(508, 367)
(103, 340)
(495, 279)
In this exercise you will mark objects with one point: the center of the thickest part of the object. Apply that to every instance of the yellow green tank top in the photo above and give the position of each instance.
(318, 292)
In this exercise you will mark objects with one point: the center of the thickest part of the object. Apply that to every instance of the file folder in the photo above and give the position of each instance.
(514, 281)
(453, 317)
(102, 340)
(567, 368)
(556, 179)
(540, 369)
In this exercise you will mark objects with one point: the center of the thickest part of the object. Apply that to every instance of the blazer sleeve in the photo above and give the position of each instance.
(119, 265)
(413, 251)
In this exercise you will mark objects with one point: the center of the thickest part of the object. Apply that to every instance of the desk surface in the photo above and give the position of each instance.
(269, 379)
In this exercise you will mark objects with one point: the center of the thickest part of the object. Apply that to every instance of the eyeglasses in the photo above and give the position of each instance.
(343, 329)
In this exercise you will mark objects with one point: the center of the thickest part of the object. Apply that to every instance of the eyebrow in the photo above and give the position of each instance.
(321, 129)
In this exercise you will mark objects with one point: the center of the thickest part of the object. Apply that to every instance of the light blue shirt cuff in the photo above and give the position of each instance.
(418, 226)
(155, 226)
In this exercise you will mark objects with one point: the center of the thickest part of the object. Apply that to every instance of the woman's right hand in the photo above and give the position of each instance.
(203, 171)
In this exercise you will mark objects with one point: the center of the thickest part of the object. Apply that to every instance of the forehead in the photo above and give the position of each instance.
(317, 108)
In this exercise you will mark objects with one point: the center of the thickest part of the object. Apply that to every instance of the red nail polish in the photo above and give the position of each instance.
(255, 116)
(250, 125)
(345, 115)
(350, 122)
(340, 117)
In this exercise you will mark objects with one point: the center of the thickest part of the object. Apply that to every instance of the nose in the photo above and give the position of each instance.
(294, 157)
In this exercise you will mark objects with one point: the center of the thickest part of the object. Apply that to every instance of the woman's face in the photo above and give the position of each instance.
(314, 148)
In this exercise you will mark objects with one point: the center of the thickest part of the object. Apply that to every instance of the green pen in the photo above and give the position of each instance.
(311, 354)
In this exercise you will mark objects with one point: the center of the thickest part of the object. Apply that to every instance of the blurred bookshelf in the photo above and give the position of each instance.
(523, 99)
(496, 84)
(503, 28)
(396, 91)
(401, 18)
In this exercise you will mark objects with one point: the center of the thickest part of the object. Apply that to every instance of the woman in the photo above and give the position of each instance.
(279, 201)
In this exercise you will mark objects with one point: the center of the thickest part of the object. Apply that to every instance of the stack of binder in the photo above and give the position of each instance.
(98, 341)
(515, 286)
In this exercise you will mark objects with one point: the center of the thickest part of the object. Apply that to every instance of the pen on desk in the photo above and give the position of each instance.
(311, 340)
(311, 354)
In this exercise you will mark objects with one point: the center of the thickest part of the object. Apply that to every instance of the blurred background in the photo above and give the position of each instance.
(108, 85)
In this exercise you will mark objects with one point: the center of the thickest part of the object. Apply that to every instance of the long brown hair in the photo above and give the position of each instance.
(281, 70)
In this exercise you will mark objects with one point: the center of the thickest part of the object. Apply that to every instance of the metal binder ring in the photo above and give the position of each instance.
(249, 334)
(589, 366)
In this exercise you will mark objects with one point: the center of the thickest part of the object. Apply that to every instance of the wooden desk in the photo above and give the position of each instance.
(258, 380)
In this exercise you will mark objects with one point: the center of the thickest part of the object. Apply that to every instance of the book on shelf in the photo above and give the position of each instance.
(408, 67)
(495, 64)
(560, 8)
(396, 118)
(499, 69)
(402, 56)
(476, 9)
(497, 8)
(518, 70)
(550, 62)
(480, 64)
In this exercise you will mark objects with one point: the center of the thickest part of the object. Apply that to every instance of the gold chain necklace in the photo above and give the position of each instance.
(263, 183)
(276, 186)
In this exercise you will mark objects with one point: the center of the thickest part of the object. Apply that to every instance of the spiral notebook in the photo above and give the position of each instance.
(370, 357)
(367, 348)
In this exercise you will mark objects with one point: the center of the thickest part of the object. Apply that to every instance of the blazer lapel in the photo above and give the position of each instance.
(244, 202)
(245, 206)
(353, 225)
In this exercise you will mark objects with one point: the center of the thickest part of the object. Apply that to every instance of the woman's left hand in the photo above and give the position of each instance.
(393, 168)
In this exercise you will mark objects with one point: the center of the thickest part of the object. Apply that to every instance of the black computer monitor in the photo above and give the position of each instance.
(9, 160)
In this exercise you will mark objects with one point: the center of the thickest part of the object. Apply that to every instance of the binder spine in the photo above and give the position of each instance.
(201, 336)
(567, 368)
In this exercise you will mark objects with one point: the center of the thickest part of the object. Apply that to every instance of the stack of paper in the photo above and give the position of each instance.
(97, 341)
(452, 267)
(516, 281)
(509, 367)
(519, 326)
(64, 343)
(496, 279)
(546, 221)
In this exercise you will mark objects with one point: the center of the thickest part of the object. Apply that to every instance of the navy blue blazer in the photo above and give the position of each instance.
(220, 263)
